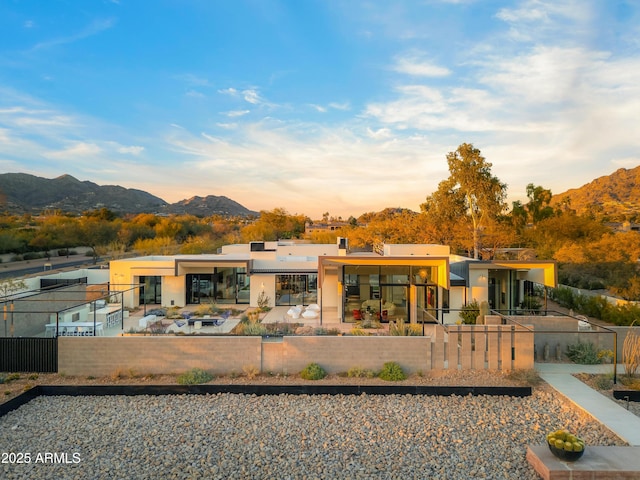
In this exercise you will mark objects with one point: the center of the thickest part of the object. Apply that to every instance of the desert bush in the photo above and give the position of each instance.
(631, 352)
(470, 312)
(204, 309)
(313, 371)
(359, 372)
(122, 372)
(263, 302)
(604, 382)
(194, 376)
(583, 353)
(326, 331)
(254, 329)
(251, 371)
(359, 332)
(528, 377)
(392, 371)
(173, 313)
(401, 329)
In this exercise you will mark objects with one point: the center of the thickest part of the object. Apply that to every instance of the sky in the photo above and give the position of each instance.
(338, 106)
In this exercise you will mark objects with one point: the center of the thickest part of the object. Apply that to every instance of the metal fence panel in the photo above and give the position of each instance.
(29, 355)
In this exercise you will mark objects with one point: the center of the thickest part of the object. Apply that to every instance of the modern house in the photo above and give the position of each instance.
(416, 283)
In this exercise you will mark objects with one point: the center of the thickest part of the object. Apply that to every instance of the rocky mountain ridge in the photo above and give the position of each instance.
(24, 193)
(615, 194)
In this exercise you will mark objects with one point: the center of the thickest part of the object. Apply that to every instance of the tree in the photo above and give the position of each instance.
(538, 206)
(470, 193)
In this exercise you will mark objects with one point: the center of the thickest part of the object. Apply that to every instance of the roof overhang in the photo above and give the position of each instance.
(182, 266)
(539, 271)
(441, 262)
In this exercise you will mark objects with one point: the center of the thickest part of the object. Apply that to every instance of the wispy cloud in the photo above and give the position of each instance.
(195, 94)
(415, 64)
(75, 150)
(236, 113)
(96, 27)
(131, 150)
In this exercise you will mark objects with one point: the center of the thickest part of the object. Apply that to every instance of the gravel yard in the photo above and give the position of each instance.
(290, 436)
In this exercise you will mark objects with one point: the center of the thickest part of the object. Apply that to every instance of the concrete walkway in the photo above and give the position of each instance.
(619, 420)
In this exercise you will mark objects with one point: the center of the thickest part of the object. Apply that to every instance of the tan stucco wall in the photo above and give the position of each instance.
(168, 354)
(156, 354)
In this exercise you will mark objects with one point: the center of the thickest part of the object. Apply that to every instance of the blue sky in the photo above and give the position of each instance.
(330, 106)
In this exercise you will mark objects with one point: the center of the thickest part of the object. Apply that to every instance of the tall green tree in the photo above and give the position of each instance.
(471, 193)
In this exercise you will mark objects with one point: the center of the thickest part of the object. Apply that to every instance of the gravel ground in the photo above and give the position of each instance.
(286, 436)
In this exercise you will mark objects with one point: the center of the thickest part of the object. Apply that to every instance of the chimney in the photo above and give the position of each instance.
(343, 246)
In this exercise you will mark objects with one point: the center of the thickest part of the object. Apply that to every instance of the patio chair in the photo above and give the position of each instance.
(357, 314)
(179, 323)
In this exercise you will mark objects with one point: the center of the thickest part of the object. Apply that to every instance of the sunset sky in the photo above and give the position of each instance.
(339, 106)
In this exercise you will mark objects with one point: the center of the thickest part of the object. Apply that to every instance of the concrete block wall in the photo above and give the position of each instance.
(99, 356)
(469, 347)
(339, 354)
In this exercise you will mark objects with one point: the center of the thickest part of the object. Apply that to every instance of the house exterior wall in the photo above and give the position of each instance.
(174, 291)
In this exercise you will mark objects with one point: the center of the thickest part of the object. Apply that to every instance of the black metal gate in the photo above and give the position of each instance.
(29, 355)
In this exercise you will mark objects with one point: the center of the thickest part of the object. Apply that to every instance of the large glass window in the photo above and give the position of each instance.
(224, 285)
(296, 289)
(381, 292)
(151, 292)
(376, 292)
(200, 287)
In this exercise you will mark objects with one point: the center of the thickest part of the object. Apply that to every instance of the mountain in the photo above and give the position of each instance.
(24, 193)
(209, 205)
(615, 194)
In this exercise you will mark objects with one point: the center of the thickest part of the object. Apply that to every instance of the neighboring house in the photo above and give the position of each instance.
(416, 283)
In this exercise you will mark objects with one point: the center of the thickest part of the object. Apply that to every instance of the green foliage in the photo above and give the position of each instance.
(583, 353)
(253, 329)
(359, 372)
(596, 306)
(604, 382)
(531, 303)
(326, 331)
(194, 376)
(392, 372)
(401, 329)
(470, 312)
(313, 371)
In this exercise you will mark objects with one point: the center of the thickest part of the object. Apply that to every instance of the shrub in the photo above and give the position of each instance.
(583, 353)
(9, 378)
(631, 352)
(204, 309)
(359, 372)
(604, 382)
(256, 329)
(470, 312)
(392, 372)
(359, 332)
(401, 329)
(326, 331)
(313, 371)
(251, 371)
(122, 372)
(528, 377)
(194, 377)
(263, 302)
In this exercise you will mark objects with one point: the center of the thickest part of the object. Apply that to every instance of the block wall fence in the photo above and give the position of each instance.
(493, 347)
